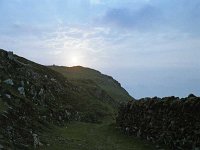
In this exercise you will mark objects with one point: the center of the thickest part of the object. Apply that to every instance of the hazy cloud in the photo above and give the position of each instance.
(150, 46)
(142, 19)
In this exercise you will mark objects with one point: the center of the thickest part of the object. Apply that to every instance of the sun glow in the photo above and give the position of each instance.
(74, 61)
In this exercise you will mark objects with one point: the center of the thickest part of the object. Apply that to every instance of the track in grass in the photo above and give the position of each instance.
(87, 136)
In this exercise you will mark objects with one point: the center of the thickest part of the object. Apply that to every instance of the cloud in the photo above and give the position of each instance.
(143, 43)
(96, 2)
(180, 15)
(100, 45)
(142, 19)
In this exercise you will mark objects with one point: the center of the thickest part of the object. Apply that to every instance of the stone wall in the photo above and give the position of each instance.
(170, 120)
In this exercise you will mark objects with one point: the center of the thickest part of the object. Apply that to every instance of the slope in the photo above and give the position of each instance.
(80, 75)
(37, 105)
(33, 96)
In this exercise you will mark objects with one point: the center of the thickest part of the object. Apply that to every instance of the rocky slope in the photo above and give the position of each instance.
(33, 96)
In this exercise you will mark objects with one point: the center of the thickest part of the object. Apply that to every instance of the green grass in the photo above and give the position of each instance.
(91, 99)
(107, 83)
(87, 136)
(90, 136)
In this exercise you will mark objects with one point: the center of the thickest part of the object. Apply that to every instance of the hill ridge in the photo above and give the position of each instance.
(106, 82)
(33, 96)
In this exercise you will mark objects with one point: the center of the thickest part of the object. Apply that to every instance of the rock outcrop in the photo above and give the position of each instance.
(170, 120)
(29, 101)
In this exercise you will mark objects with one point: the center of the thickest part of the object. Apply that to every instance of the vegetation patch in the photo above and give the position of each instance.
(89, 136)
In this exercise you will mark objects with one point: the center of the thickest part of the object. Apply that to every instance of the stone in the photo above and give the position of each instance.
(21, 90)
(4, 115)
(40, 144)
(9, 81)
(139, 133)
(1, 147)
(22, 83)
(41, 91)
(8, 96)
(11, 56)
(36, 141)
(32, 91)
(167, 120)
(127, 129)
(67, 113)
(52, 79)
(191, 95)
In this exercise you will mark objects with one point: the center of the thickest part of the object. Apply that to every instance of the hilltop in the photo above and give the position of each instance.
(93, 78)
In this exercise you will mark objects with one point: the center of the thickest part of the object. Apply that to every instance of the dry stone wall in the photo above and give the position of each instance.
(170, 120)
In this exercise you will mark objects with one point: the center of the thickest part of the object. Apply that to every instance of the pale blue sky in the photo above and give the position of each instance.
(152, 47)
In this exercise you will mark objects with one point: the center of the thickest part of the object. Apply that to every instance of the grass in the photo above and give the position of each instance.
(107, 83)
(87, 136)
(91, 136)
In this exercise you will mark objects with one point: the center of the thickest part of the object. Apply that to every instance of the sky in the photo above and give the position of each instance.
(152, 47)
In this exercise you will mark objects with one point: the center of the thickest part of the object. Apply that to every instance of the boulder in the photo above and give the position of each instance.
(9, 81)
(8, 96)
(21, 90)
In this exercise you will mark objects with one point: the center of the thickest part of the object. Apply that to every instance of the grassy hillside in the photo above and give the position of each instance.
(32, 96)
(42, 109)
(82, 75)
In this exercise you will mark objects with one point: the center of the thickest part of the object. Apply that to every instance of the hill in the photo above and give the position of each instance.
(92, 78)
(31, 97)
(42, 109)
(34, 97)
